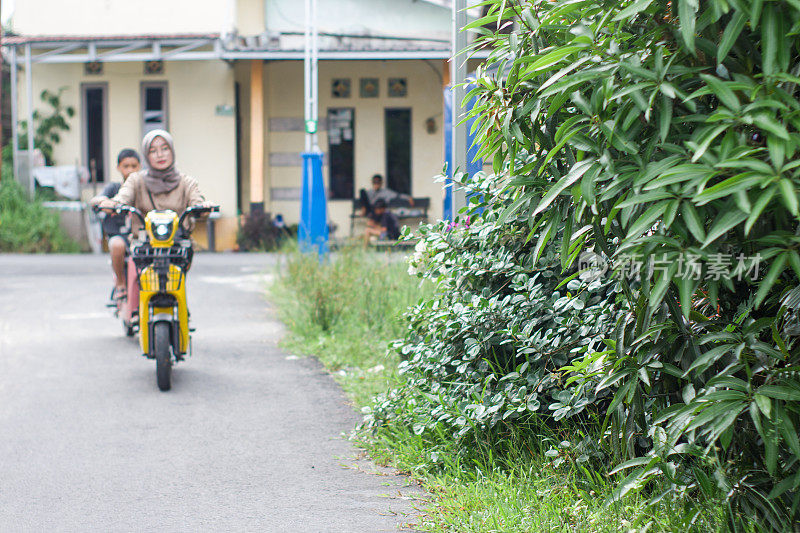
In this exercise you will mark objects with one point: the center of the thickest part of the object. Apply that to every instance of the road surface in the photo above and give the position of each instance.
(248, 439)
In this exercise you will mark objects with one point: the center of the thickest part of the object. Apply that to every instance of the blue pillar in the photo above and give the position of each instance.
(313, 230)
(448, 154)
(474, 165)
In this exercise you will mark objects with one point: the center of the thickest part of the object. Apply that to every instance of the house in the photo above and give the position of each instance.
(226, 78)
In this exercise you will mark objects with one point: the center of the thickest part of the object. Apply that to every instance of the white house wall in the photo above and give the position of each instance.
(121, 17)
(409, 18)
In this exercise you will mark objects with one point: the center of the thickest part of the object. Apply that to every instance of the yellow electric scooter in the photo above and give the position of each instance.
(161, 260)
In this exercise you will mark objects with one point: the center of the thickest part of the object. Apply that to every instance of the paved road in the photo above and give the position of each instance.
(247, 440)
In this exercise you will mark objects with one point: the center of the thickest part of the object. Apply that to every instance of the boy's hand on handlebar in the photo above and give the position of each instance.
(107, 205)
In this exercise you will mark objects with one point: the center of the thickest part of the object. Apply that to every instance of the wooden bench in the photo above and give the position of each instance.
(399, 207)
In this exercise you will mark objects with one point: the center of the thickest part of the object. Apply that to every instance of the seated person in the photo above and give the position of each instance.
(382, 223)
(379, 192)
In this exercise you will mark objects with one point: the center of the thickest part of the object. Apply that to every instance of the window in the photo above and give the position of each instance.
(398, 149)
(340, 152)
(95, 130)
(154, 107)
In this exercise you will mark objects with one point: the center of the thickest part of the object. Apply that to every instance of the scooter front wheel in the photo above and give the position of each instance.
(163, 358)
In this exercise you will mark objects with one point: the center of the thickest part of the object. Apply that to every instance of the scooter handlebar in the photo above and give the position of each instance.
(197, 210)
(121, 208)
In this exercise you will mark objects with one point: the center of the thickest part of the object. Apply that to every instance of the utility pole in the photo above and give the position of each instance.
(310, 79)
(313, 230)
(458, 76)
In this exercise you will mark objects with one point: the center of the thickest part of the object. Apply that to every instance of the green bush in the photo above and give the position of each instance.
(27, 226)
(654, 132)
(486, 351)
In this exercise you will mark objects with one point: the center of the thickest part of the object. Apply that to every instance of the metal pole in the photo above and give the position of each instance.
(29, 87)
(314, 75)
(458, 75)
(307, 77)
(14, 118)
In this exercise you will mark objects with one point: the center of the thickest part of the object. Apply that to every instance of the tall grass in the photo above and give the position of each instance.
(345, 310)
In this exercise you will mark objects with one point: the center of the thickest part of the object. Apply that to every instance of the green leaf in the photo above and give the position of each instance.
(755, 12)
(780, 392)
(686, 287)
(789, 195)
(513, 208)
(693, 222)
(756, 419)
(775, 270)
(758, 207)
(729, 220)
(794, 262)
(680, 173)
(764, 404)
(636, 461)
(707, 359)
(708, 137)
(643, 198)
(788, 432)
(633, 9)
(769, 124)
(771, 448)
(687, 11)
(731, 33)
(769, 39)
(779, 489)
(544, 237)
(737, 183)
(554, 56)
(647, 219)
(664, 118)
(571, 177)
(722, 91)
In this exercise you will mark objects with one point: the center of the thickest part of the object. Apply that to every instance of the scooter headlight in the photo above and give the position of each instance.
(162, 231)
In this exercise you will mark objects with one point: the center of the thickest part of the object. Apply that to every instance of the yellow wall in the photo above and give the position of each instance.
(250, 16)
(284, 88)
(205, 143)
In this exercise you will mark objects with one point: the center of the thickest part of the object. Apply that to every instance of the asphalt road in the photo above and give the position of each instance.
(246, 440)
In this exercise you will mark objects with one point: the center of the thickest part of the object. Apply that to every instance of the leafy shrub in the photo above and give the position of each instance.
(26, 226)
(257, 231)
(48, 126)
(486, 351)
(663, 133)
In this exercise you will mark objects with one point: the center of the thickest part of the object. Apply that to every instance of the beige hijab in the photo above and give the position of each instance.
(159, 181)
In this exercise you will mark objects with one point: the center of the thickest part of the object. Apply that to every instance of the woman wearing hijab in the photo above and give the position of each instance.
(158, 186)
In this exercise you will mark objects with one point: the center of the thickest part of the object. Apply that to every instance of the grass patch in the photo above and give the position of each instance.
(346, 311)
(28, 227)
(511, 486)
